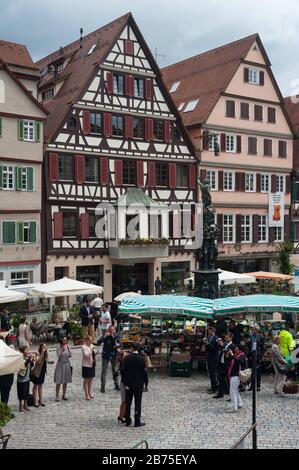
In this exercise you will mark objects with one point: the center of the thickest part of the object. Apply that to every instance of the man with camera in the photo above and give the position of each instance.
(110, 348)
(212, 352)
(224, 347)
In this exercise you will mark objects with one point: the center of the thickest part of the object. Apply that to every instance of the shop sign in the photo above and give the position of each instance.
(276, 210)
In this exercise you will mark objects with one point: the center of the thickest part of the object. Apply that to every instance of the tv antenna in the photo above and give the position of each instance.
(157, 55)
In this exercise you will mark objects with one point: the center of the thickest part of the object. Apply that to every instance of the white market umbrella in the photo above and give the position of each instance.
(7, 295)
(65, 287)
(231, 278)
(11, 361)
(125, 295)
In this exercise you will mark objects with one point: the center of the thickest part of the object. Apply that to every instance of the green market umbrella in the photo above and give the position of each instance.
(256, 304)
(169, 305)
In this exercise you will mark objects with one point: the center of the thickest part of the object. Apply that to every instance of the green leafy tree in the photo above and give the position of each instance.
(285, 250)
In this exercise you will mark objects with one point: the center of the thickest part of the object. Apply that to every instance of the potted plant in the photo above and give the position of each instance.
(5, 416)
(77, 333)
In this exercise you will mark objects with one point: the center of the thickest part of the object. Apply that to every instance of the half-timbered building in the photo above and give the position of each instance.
(113, 136)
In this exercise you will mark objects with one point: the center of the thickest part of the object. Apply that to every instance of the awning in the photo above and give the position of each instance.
(256, 304)
(273, 276)
(7, 296)
(65, 287)
(168, 305)
(125, 295)
(229, 278)
(11, 361)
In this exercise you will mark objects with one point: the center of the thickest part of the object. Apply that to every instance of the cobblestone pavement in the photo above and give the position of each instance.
(177, 411)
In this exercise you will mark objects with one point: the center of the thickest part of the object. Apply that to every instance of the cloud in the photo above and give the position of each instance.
(178, 29)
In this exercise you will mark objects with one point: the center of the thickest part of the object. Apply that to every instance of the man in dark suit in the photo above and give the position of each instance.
(87, 319)
(212, 352)
(134, 376)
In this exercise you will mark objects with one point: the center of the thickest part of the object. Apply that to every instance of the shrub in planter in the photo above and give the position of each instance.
(77, 332)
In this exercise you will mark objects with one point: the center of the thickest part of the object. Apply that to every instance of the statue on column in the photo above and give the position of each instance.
(208, 253)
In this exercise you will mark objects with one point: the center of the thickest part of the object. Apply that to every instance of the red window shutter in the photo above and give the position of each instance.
(85, 226)
(242, 181)
(129, 85)
(192, 176)
(273, 184)
(203, 175)
(258, 182)
(53, 167)
(104, 166)
(238, 228)
(140, 174)
(109, 82)
(205, 140)
(220, 228)
(288, 184)
(176, 220)
(79, 169)
(151, 176)
(128, 127)
(223, 142)
(239, 144)
(220, 180)
(149, 129)
(107, 124)
(118, 172)
(86, 122)
(167, 131)
(58, 225)
(287, 228)
(149, 89)
(246, 75)
(256, 219)
(262, 78)
(172, 175)
(129, 47)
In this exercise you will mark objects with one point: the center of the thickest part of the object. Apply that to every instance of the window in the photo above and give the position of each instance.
(282, 149)
(162, 174)
(252, 145)
(212, 178)
(250, 182)
(26, 178)
(158, 130)
(228, 181)
(272, 115)
(268, 148)
(19, 232)
(71, 124)
(91, 49)
(258, 113)
(138, 128)
(244, 111)
(254, 77)
(230, 108)
(29, 131)
(26, 231)
(118, 84)
(246, 229)
(191, 106)
(129, 172)
(174, 87)
(8, 177)
(48, 94)
(181, 106)
(214, 143)
(176, 134)
(263, 228)
(278, 234)
(93, 219)
(132, 226)
(91, 169)
(117, 125)
(66, 167)
(70, 224)
(231, 143)
(21, 277)
(139, 87)
(95, 123)
(228, 228)
(265, 183)
(280, 184)
(182, 176)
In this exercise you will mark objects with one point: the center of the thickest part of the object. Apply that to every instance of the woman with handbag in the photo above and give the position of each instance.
(88, 366)
(237, 362)
(63, 370)
(279, 366)
(23, 380)
(38, 374)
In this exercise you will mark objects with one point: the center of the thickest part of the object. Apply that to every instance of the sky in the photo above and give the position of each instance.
(177, 28)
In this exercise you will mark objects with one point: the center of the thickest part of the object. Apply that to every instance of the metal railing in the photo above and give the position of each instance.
(141, 445)
(240, 443)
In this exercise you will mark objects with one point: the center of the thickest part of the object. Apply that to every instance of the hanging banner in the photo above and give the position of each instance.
(276, 210)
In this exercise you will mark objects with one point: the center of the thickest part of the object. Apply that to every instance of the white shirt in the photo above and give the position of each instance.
(105, 316)
(97, 302)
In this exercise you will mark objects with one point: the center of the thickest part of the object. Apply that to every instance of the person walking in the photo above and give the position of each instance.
(212, 352)
(256, 337)
(63, 370)
(23, 380)
(97, 303)
(88, 366)
(134, 376)
(105, 319)
(237, 362)
(87, 319)
(279, 366)
(109, 353)
(38, 374)
(23, 336)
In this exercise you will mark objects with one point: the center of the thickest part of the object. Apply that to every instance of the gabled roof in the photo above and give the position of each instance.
(78, 71)
(292, 109)
(16, 54)
(206, 76)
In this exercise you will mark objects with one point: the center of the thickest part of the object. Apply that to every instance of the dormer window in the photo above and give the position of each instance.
(48, 94)
(92, 49)
(181, 106)
(174, 87)
(191, 106)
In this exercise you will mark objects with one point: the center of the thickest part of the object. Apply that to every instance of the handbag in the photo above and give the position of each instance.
(245, 375)
(281, 368)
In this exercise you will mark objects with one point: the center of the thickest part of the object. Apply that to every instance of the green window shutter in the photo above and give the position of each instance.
(0, 127)
(30, 174)
(20, 130)
(32, 232)
(18, 178)
(37, 131)
(1, 177)
(9, 232)
(20, 232)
